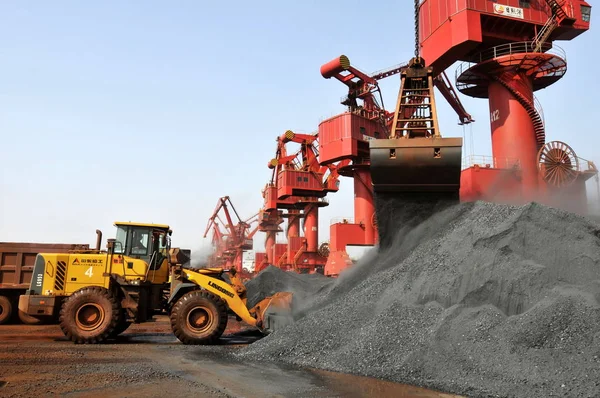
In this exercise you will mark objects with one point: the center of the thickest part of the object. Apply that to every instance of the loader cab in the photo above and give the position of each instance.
(147, 242)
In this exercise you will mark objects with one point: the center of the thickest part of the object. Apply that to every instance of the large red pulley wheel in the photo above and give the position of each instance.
(558, 164)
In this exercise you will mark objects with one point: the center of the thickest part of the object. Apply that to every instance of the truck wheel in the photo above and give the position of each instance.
(90, 315)
(199, 317)
(6, 310)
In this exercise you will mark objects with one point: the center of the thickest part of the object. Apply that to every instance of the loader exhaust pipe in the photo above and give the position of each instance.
(98, 239)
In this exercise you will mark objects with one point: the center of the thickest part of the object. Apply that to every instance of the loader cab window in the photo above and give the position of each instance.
(145, 243)
(139, 241)
(159, 248)
(163, 242)
(133, 241)
(120, 240)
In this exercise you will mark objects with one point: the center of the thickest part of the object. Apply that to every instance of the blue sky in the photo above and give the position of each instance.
(150, 111)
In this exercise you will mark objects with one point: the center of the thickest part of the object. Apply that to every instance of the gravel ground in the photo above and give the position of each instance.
(480, 299)
(148, 361)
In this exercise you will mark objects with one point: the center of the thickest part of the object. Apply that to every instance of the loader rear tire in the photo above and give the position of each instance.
(6, 310)
(90, 315)
(199, 317)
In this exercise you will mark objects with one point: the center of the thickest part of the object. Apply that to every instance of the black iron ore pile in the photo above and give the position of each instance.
(479, 299)
(272, 280)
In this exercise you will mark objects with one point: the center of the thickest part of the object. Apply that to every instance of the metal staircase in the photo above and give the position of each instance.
(536, 118)
(558, 17)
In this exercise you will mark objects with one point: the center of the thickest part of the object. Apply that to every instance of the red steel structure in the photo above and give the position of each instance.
(296, 191)
(229, 246)
(345, 139)
(508, 53)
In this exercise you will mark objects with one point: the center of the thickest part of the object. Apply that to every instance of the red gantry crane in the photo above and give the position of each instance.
(507, 52)
(229, 246)
(345, 138)
(298, 185)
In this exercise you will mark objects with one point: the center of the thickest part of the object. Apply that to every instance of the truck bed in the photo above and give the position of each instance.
(17, 259)
(16, 267)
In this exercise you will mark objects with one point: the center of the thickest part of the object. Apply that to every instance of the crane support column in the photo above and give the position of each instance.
(311, 231)
(270, 246)
(508, 75)
(513, 134)
(364, 208)
(293, 223)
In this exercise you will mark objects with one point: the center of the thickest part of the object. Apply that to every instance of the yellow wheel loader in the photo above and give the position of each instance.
(97, 294)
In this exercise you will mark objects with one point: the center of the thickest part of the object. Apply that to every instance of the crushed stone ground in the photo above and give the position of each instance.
(480, 299)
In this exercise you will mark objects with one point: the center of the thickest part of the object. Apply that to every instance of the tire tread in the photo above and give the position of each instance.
(177, 323)
(68, 325)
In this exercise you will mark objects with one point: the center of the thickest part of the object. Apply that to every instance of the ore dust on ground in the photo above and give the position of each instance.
(147, 360)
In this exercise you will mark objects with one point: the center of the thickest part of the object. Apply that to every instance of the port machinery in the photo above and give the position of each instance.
(507, 53)
(367, 129)
(229, 245)
(296, 192)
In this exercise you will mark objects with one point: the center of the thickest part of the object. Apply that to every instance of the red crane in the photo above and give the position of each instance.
(346, 137)
(298, 186)
(507, 53)
(229, 246)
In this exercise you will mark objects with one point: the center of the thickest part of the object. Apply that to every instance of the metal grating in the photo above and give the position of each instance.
(61, 273)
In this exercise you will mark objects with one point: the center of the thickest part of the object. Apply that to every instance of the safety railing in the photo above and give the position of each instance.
(368, 114)
(586, 166)
(382, 73)
(509, 49)
(539, 109)
(341, 220)
(490, 162)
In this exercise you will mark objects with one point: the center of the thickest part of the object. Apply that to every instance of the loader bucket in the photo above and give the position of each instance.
(416, 164)
(274, 312)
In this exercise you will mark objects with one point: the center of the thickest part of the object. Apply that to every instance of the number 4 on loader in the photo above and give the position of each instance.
(137, 277)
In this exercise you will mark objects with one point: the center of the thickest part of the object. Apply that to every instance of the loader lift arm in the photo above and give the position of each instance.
(268, 315)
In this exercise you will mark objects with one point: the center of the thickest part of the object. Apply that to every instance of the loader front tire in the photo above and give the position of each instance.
(90, 315)
(199, 317)
(6, 310)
